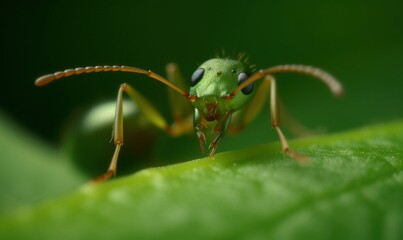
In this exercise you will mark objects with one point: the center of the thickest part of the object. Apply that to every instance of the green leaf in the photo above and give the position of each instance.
(31, 171)
(351, 189)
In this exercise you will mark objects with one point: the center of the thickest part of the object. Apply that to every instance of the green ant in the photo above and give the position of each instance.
(220, 89)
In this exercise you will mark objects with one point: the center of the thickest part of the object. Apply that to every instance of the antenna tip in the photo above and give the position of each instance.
(41, 81)
(338, 90)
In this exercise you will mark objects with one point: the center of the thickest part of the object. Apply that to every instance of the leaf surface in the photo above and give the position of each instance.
(351, 189)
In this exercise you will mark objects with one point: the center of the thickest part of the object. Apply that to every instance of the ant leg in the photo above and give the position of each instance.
(242, 118)
(149, 112)
(250, 112)
(199, 123)
(297, 128)
(180, 107)
(117, 138)
(275, 121)
(221, 128)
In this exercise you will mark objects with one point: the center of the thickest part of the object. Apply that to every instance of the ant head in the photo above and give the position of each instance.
(215, 79)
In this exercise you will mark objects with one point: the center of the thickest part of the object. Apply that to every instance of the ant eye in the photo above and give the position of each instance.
(197, 76)
(242, 77)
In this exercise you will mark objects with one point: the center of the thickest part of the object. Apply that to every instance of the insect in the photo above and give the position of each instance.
(222, 94)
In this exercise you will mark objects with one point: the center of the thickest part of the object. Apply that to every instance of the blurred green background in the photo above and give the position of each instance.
(360, 42)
